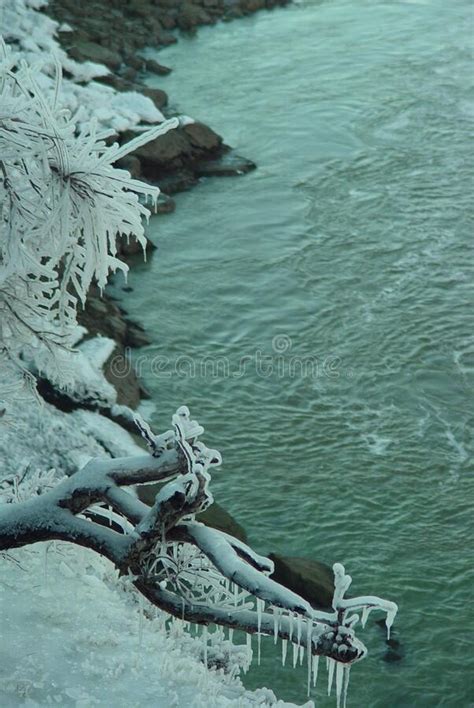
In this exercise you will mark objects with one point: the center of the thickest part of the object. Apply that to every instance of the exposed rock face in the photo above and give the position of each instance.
(309, 578)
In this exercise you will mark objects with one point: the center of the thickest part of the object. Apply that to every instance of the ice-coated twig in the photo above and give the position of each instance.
(194, 572)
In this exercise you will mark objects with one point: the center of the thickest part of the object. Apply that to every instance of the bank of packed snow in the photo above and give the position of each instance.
(73, 635)
(32, 35)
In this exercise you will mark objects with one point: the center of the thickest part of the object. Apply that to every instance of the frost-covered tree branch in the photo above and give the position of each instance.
(62, 206)
(195, 573)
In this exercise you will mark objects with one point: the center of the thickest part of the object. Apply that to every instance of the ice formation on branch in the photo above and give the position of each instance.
(197, 574)
(62, 206)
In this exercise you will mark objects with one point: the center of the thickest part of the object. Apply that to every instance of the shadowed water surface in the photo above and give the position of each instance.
(316, 315)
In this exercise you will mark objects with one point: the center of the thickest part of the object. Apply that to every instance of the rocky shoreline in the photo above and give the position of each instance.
(113, 33)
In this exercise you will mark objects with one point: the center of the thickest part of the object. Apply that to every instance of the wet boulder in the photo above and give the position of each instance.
(311, 579)
(203, 139)
(229, 165)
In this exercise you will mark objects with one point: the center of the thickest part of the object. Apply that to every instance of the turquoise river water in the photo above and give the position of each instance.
(316, 314)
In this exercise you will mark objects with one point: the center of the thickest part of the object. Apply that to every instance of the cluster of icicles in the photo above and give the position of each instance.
(193, 576)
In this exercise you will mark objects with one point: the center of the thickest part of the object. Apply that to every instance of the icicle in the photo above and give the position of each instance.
(365, 615)
(347, 670)
(260, 603)
(204, 639)
(284, 649)
(276, 624)
(231, 635)
(339, 682)
(298, 629)
(295, 655)
(389, 621)
(291, 627)
(330, 665)
(315, 667)
(308, 649)
(301, 654)
(249, 644)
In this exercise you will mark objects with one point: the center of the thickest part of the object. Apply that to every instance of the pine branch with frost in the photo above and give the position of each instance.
(62, 206)
(195, 573)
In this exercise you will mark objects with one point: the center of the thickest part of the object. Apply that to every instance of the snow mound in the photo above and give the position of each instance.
(71, 635)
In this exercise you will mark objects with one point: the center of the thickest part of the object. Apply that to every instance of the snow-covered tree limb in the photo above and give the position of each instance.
(62, 206)
(193, 572)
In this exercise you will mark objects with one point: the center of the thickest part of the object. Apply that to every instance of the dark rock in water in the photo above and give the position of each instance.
(157, 68)
(127, 289)
(229, 165)
(202, 138)
(391, 656)
(178, 181)
(90, 51)
(395, 651)
(218, 518)
(166, 153)
(159, 97)
(311, 579)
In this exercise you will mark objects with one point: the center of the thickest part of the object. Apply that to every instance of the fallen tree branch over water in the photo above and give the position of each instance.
(195, 573)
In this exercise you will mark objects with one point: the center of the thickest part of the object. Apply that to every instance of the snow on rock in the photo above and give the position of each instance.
(81, 370)
(32, 35)
(36, 436)
(72, 635)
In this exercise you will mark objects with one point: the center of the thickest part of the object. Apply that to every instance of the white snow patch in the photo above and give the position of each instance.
(71, 637)
(32, 35)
